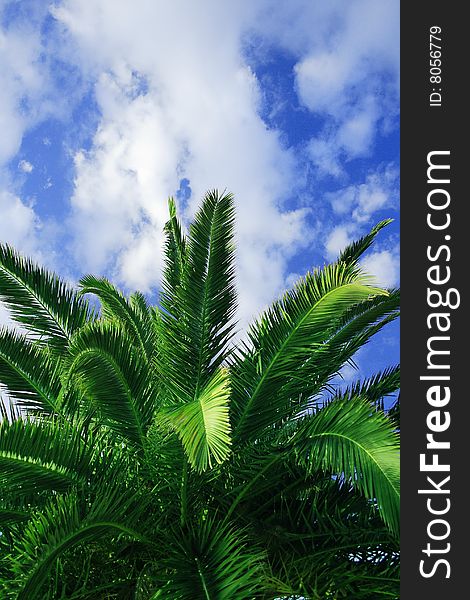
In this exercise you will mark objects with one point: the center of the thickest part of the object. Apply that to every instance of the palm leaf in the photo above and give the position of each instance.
(325, 542)
(283, 341)
(39, 300)
(200, 310)
(28, 373)
(354, 251)
(36, 456)
(394, 413)
(133, 314)
(10, 517)
(176, 257)
(114, 378)
(358, 325)
(66, 523)
(350, 439)
(210, 561)
(250, 477)
(375, 388)
(203, 424)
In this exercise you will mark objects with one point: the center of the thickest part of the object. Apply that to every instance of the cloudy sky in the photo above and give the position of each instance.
(107, 107)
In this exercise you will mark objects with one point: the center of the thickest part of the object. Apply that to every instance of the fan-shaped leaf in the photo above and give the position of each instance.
(203, 424)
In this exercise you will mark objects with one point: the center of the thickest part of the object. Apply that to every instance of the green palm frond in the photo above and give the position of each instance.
(203, 424)
(10, 517)
(142, 455)
(329, 542)
(39, 300)
(199, 317)
(133, 314)
(326, 573)
(394, 413)
(70, 521)
(41, 455)
(358, 325)
(283, 341)
(375, 388)
(210, 560)
(352, 440)
(176, 258)
(354, 251)
(28, 373)
(116, 381)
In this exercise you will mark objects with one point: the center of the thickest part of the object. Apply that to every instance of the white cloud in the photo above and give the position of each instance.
(355, 207)
(121, 186)
(176, 99)
(24, 83)
(384, 266)
(173, 105)
(339, 78)
(18, 222)
(21, 227)
(343, 200)
(24, 101)
(356, 132)
(324, 154)
(321, 79)
(347, 70)
(338, 239)
(361, 201)
(25, 166)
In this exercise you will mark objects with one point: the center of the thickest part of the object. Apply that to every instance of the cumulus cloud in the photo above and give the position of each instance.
(21, 227)
(324, 155)
(18, 222)
(25, 166)
(24, 80)
(355, 207)
(15, 77)
(338, 239)
(383, 266)
(25, 100)
(339, 78)
(176, 99)
(174, 106)
(346, 71)
(360, 201)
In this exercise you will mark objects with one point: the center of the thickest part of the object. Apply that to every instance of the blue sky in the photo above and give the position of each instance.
(108, 107)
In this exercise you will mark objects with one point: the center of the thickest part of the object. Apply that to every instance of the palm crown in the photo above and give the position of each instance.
(145, 455)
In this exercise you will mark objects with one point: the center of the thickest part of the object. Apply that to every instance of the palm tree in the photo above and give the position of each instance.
(145, 455)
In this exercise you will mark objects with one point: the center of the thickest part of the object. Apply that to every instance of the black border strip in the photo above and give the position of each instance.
(434, 124)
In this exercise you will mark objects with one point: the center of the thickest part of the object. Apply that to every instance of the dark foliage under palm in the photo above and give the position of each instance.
(143, 455)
